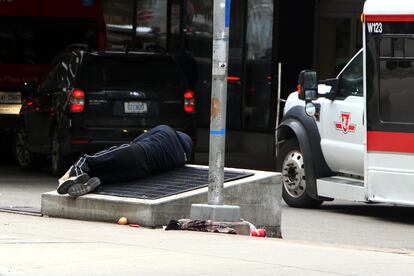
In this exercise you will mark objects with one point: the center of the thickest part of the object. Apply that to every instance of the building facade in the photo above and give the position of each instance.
(300, 34)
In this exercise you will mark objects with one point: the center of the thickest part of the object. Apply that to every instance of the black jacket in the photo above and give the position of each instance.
(165, 148)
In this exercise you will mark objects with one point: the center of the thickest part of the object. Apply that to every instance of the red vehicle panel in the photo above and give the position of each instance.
(53, 8)
(11, 75)
(20, 8)
(78, 8)
(32, 33)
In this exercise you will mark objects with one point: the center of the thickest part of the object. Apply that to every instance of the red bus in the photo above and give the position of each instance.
(32, 33)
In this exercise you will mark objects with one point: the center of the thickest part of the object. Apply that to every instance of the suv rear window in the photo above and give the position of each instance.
(110, 72)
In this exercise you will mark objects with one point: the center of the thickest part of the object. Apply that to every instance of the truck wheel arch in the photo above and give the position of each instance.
(296, 123)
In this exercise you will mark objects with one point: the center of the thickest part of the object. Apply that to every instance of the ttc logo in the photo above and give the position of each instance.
(345, 126)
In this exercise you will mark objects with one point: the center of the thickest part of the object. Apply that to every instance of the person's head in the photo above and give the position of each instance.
(187, 143)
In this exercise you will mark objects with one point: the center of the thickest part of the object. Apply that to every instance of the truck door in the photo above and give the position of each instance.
(390, 113)
(342, 125)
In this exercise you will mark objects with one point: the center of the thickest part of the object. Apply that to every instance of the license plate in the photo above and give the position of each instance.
(10, 97)
(135, 107)
(10, 109)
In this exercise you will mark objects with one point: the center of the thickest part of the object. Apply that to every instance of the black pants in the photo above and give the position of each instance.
(119, 163)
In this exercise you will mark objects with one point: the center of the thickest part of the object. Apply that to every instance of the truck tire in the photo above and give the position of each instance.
(291, 164)
(24, 158)
(60, 163)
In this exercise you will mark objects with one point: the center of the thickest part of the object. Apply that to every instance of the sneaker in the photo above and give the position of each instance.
(79, 189)
(66, 183)
(65, 176)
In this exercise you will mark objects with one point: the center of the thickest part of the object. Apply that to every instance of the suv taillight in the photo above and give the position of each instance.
(77, 101)
(189, 104)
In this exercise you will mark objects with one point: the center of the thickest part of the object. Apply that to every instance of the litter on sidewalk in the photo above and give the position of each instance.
(201, 226)
(241, 227)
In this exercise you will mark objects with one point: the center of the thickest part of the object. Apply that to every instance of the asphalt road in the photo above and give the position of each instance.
(354, 224)
(22, 190)
(346, 223)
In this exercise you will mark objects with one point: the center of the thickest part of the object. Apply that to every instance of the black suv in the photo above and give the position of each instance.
(92, 100)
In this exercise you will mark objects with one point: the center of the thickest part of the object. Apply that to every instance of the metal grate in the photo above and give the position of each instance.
(165, 184)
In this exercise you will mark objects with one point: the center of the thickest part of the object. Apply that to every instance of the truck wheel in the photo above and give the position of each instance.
(26, 160)
(60, 163)
(291, 165)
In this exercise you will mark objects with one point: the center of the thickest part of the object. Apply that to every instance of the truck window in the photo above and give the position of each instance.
(396, 80)
(351, 79)
(396, 47)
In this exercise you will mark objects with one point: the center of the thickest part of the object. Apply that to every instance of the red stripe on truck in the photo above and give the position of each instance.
(390, 141)
(389, 17)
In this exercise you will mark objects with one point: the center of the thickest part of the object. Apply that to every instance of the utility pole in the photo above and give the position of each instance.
(221, 26)
(215, 210)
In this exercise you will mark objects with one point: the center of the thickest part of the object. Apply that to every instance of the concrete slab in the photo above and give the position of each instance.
(259, 198)
(225, 213)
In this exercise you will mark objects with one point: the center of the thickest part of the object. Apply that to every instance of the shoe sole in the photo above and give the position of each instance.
(64, 187)
(80, 189)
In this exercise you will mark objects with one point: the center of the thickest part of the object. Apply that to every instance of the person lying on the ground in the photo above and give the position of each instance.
(158, 150)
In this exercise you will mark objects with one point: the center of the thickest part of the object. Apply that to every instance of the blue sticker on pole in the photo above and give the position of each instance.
(227, 20)
(218, 132)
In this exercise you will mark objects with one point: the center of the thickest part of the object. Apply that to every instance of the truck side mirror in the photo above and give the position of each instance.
(333, 83)
(308, 85)
(28, 88)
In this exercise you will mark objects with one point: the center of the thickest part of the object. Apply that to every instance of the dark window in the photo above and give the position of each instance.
(129, 72)
(396, 91)
(151, 24)
(148, 17)
(58, 76)
(199, 18)
(351, 80)
(249, 93)
(390, 81)
(39, 40)
(119, 23)
(397, 47)
(234, 88)
(51, 80)
(386, 48)
(198, 28)
(396, 82)
(64, 74)
(73, 67)
(409, 47)
(259, 33)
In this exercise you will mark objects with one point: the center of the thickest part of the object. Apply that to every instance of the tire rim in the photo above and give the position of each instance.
(23, 154)
(293, 174)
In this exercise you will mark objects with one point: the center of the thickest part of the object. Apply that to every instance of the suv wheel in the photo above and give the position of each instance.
(60, 163)
(295, 181)
(27, 160)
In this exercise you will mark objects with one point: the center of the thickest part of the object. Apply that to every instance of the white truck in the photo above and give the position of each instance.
(352, 137)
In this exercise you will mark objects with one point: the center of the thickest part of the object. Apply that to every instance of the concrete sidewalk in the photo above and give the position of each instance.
(32, 245)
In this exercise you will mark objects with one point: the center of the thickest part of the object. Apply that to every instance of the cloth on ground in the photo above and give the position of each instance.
(200, 225)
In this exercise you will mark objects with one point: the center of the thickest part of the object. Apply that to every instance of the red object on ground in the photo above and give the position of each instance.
(135, 225)
(258, 233)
